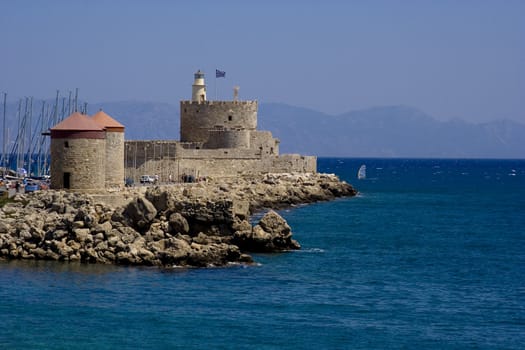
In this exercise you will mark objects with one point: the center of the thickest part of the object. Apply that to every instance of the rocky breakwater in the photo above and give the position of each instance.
(204, 224)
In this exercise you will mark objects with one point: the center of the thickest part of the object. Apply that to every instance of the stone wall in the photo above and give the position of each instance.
(146, 157)
(287, 163)
(83, 159)
(165, 158)
(264, 143)
(196, 118)
(114, 159)
(221, 138)
(221, 154)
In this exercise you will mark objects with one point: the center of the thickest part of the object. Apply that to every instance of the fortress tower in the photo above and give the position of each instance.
(114, 149)
(216, 124)
(198, 88)
(217, 138)
(78, 154)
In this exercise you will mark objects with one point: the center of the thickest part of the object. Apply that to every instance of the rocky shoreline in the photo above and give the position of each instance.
(193, 225)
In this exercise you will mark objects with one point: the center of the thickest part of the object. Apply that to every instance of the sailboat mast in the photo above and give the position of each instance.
(4, 137)
(42, 137)
(63, 112)
(55, 115)
(19, 137)
(69, 104)
(29, 138)
(76, 100)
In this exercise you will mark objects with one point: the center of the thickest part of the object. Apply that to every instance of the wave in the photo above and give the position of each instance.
(310, 250)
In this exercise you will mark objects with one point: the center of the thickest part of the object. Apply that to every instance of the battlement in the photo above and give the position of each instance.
(188, 102)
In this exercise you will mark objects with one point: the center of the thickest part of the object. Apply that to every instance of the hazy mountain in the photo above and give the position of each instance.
(144, 120)
(394, 131)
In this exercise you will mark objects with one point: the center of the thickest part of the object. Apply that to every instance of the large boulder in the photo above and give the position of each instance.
(178, 224)
(4, 226)
(140, 212)
(215, 254)
(172, 251)
(272, 234)
(275, 225)
(88, 215)
(161, 198)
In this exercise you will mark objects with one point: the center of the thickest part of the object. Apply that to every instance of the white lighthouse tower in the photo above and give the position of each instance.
(198, 88)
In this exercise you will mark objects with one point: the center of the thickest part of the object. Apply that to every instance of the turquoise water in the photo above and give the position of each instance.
(430, 255)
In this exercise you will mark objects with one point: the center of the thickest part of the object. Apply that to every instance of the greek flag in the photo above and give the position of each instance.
(220, 74)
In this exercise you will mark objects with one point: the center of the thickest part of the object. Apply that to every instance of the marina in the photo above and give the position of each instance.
(25, 157)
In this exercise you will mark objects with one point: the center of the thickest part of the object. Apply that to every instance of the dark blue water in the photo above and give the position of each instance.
(430, 255)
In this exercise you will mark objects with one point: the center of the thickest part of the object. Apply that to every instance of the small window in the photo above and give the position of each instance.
(230, 118)
(66, 144)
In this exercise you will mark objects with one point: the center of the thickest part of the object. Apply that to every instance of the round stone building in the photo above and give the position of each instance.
(78, 154)
(114, 149)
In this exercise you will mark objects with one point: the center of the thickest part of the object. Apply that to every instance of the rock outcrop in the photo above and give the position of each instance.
(203, 224)
(272, 234)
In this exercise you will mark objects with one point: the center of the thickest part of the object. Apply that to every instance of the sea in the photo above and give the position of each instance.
(429, 255)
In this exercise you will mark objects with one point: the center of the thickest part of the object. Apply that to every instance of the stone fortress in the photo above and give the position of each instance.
(199, 225)
(217, 139)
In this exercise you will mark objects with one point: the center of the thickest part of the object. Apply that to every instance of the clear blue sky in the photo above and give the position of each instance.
(451, 59)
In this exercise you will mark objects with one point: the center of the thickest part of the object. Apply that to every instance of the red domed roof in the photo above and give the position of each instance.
(104, 120)
(77, 122)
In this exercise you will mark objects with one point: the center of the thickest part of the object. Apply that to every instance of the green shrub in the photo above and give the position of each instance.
(4, 200)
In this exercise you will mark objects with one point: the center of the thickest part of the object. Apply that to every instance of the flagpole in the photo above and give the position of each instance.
(218, 74)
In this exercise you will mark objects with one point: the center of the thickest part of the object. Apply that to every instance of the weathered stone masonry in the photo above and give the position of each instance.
(218, 139)
(197, 118)
(166, 158)
(78, 154)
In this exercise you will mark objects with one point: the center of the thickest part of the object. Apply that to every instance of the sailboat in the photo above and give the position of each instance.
(361, 173)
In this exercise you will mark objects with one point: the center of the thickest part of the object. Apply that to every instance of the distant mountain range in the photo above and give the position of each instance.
(395, 131)
(392, 131)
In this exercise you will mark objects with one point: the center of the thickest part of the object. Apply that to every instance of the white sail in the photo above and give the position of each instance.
(361, 174)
